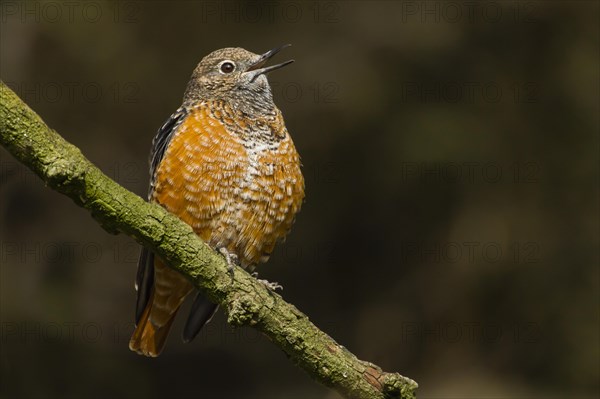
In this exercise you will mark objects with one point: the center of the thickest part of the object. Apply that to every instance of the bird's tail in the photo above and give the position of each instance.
(168, 293)
(148, 339)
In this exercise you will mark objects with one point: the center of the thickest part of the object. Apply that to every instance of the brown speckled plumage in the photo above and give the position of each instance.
(226, 165)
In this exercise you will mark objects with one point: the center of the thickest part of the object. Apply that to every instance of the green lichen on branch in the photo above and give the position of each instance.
(247, 302)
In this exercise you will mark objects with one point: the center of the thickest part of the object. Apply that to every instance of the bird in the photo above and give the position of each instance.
(224, 163)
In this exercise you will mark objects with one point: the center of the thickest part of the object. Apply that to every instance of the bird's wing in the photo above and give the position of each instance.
(161, 141)
(145, 273)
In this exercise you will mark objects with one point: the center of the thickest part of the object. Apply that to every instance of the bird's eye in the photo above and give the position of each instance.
(227, 67)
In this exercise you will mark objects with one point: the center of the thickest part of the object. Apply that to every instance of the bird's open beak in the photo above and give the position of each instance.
(256, 68)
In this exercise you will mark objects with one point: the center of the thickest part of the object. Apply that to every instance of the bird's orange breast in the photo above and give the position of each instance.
(236, 181)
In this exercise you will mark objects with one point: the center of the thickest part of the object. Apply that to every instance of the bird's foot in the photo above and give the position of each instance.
(272, 285)
(232, 260)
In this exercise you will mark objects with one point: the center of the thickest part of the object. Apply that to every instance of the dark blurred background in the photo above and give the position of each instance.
(450, 229)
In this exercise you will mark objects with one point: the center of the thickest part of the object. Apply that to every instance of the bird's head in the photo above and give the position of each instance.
(233, 74)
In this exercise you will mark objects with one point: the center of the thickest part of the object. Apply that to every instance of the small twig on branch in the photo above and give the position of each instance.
(245, 300)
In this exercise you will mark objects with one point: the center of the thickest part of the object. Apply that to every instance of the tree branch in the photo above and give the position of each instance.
(246, 301)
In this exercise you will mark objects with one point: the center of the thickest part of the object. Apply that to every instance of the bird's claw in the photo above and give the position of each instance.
(273, 286)
(231, 258)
